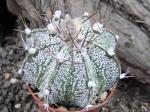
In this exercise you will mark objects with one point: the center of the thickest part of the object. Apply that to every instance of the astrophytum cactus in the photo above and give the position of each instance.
(71, 61)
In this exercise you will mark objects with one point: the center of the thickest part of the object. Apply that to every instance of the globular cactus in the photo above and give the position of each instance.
(71, 61)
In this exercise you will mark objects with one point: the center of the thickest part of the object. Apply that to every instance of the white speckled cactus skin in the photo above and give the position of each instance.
(71, 60)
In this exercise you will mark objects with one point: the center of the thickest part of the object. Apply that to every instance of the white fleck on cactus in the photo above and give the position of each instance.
(72, 66)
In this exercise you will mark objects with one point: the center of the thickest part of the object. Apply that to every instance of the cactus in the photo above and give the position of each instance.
(71, 61)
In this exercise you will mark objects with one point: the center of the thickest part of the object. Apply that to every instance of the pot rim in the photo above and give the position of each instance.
(90, 109)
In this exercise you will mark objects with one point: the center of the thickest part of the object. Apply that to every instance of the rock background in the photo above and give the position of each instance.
(129, 19)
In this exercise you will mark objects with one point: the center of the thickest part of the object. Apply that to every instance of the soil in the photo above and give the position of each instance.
(129, 96)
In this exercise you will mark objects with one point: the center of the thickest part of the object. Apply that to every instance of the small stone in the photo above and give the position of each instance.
(24, 96)
(20, 93)
(18, 105)
(7, 76)
(4, 92)
(13, 80)
(7, 84)
(104, 109)
(27, 107)
(1, 100)
(5, 109)
(9, 98)
(4, 54)
(11, 52)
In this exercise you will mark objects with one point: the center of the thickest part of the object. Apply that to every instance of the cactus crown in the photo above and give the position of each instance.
(71, 62)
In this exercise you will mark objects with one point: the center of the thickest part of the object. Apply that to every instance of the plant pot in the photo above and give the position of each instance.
(51, 108)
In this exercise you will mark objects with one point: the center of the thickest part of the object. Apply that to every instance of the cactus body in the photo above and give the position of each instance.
(72, 63)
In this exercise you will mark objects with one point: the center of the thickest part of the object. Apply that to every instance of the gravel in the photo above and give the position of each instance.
(13, 96)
